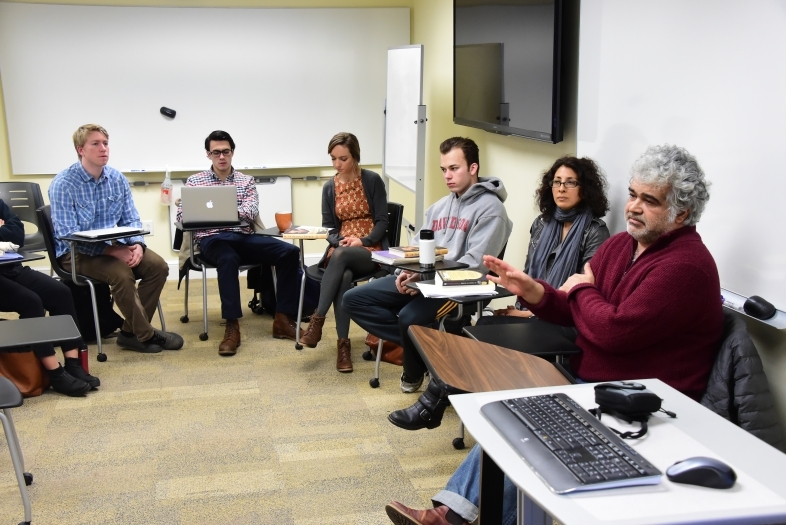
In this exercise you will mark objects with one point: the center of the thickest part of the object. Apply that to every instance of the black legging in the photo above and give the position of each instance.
(31, 294)
(344, 264)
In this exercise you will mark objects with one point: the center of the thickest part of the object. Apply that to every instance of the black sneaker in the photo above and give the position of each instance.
(65, 383)
(74, 367)
(166, 340)
(130, 342)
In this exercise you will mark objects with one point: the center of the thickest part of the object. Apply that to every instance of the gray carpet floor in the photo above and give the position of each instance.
(272, 435)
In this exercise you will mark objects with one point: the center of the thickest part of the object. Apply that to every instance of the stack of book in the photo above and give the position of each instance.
(404, 255)
(458, 283)
(305, 232)
(414, 251)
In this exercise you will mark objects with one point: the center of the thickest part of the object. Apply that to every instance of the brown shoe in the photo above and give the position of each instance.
(313, 333)
(283, 327)
(344, 359)
(231, 340)
(400, 514)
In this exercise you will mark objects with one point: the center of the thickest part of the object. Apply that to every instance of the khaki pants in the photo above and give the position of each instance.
(137, 304)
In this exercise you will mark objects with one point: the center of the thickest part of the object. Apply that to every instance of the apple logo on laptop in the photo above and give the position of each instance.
(209, 204)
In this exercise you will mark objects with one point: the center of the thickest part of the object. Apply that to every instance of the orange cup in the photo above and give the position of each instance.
(283, 220)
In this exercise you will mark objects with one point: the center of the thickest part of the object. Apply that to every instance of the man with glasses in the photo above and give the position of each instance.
(91, 195)
(229, 248)
(647, 305)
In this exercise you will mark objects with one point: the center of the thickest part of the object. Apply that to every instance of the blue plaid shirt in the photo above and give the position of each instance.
(80, 202)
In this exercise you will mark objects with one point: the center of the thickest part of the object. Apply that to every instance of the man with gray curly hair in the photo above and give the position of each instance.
(647, 305)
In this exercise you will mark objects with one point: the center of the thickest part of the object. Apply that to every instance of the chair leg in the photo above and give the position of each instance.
(17, 459)
(101, 357)
(374, 382)
(203, 335)
(298, 346)
(184, 317)
(459, 315)
(458, 443)
(161, 317)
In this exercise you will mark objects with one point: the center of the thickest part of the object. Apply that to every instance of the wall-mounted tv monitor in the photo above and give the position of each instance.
(507, 57)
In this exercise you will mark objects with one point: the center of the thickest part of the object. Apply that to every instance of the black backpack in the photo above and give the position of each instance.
(260, 279)
(108, 319)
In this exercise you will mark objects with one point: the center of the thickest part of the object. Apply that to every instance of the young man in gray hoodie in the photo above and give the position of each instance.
(470, 222)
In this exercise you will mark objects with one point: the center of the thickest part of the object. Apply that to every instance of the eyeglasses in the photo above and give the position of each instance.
(217, 153)
(569, 184)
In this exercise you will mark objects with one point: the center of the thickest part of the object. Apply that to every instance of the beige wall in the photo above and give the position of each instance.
(518, 162)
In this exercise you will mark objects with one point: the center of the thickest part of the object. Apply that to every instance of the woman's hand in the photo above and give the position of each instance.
(350, 241)
(515, 281)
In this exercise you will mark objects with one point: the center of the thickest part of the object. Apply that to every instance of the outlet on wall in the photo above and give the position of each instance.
(148, 225)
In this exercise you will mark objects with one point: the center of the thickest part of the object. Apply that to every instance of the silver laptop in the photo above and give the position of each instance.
(209, 205)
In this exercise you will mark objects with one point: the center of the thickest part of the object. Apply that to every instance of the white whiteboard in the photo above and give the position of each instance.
(404, 95)
(282, 82)
(710, 76)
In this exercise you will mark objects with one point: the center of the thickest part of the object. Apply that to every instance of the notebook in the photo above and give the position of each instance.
(129, 231)
(209, 205)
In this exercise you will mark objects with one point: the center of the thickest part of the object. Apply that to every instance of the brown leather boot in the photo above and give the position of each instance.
(313, 333)
(228, 346)
(400, 514)
(344, 359)
(283, 327)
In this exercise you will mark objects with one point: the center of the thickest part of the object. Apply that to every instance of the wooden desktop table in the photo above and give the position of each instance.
(472, 366)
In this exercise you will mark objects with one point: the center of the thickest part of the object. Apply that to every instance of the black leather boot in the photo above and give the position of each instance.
(427, 411)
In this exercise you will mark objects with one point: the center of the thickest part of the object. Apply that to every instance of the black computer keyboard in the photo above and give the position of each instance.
(590, 454)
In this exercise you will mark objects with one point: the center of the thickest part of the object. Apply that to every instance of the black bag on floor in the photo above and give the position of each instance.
(260, 279)
(108, 319)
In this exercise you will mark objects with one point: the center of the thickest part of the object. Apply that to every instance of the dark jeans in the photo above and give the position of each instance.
(380, 309)
(228, 251)
(31, 294)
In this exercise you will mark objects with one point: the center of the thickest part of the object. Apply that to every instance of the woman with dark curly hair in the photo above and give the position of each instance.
(568, 232)
(565, 236)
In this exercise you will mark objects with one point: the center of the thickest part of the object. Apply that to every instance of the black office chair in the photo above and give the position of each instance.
(196, 263)
(395, 218)
(11, 398)
(45, 222)
(24, 198)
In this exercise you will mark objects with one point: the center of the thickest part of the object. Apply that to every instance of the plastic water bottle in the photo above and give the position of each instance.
(427, 249)
(166, 190)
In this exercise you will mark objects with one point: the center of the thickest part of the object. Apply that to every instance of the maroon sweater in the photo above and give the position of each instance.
(659, 317)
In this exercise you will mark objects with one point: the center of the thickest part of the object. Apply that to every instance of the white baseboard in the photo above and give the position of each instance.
(174, 269)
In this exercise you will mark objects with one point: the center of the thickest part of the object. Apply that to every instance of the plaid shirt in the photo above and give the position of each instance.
(247, 199)
(80, 202)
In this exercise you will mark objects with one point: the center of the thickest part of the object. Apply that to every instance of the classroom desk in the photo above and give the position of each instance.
(472, 366)
(467, 299)
(22, 333)
(525, 337)
(73, 239)
(758, 497)
(26, 257)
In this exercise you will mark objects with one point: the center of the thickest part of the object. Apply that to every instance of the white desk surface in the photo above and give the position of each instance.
(758, 497)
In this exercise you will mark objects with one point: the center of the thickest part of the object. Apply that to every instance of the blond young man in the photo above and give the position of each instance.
(90, 195)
